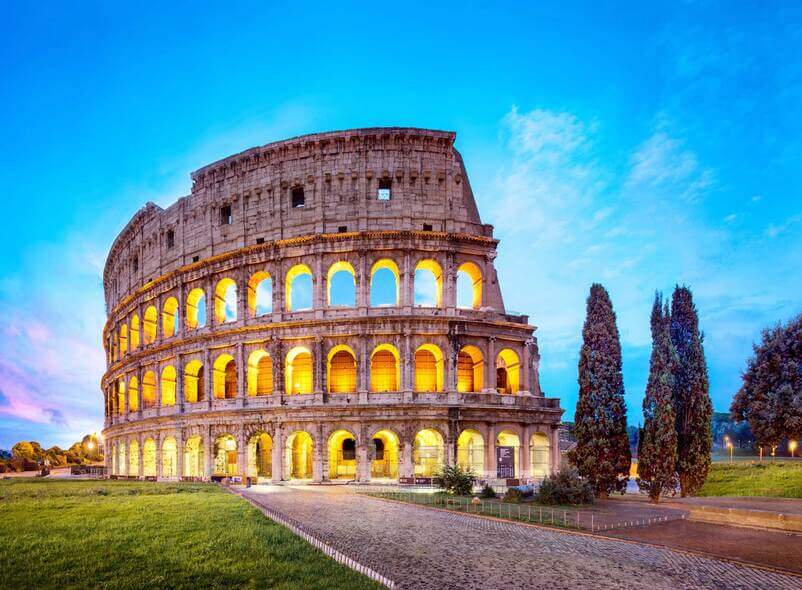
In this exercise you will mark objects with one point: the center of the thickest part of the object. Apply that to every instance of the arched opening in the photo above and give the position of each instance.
(193, 457)
(298, 455)
(133, 394)
(224, 377)
(511, 441)
(123, 340)
(167, 385)
(149, 458)
(428, 285)
(385, 284)
(225, 301)
(170, 317)
(120, 397)
(539, 448)
(260, 456)
(121, 464)
(193, 382)
(384, 459)
(148, 390)
(260, 294)
(428, 368)
(169, 457)
(385, 369)
(341, 370)
(298, 288)
(196, 309)
(260, 373)
(342, 455)
(225, 455)
(470, 369)
(115, 470)
(341, 283)
(133, 336)
(469, 286)
(133, 458)
(471, 452)
(428, 452)
(298, 371)
(149, 325)
(508, 371)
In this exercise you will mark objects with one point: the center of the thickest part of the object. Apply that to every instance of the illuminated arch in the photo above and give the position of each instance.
(224, 377)
(120, 397)
(341, 369)
(428, 283)
(341, 277)
(133, 336)
(196, 309)
(169, 457)
(298, 372)
(167, 386)
(149, 324)
(193, 457)
(225, 455)
(170, 317)
(260, 294)
(260, 373)
(470, 369)
(384, 455)
(428, 452)
(428, 368)
(385, 369)
(507, 438)
(508, 371)
(471, 451)
(193, 381)
(148, 390)
(260, 455)
(540, 450)
(469, 286)
(133, 394)
(149, 458)
(298, 453)
(387, 269)
(299, 270)
(121, 464)
(342, 455)
(133, 458)
(225, 301)
(123, 340)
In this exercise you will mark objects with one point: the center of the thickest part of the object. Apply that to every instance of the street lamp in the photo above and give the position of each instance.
(792, 446)
(729, 446)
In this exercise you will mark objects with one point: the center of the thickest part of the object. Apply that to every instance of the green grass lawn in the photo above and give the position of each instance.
(782, 479)
(91, 534)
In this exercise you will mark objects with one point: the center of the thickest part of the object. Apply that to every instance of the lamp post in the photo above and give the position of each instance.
(792, 446)
(729, 446)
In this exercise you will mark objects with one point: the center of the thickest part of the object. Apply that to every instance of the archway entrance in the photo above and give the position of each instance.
(471, 452)
(193, 457)
(298, 455)
(508, 456)
(539, 446)
(342, 455)
(384, 460)
(260, 456)
(428, 453)
(225, 455)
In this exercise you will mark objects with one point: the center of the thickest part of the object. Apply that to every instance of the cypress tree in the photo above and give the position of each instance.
(657, 445)
(691, 394)
(600, 425)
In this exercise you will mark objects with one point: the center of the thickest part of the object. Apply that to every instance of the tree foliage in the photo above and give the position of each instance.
(28, 455)
(657, 443)
(770, 399)
(602, 453)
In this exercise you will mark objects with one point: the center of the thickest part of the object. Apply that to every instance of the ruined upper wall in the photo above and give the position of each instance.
(339, 173)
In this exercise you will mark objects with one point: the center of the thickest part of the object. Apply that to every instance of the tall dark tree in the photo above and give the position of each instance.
(600, 426)
(657, 447)
(691, 394)
(770, 398)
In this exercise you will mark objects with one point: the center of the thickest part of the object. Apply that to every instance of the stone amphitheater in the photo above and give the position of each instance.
(320, 308)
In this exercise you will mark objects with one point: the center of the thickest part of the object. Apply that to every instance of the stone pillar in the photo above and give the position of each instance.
(554, 449)
(277, 456)
(277, 302)
(407, 284)
(208, 453)
(179, 383)
(491, 451)
(242, 389)
(181, 312)
(363, 367)
(139, 392)
(242, 454)
(363, 285)
(141, 472)
(406, 468)
(490, 366)
(407, 362)
(317, 456)
(526, 453)
(242, 297)
(179, 454)
(362, 462)
(318, 288)
(157, 438)
(208, 289)
(208, 377)
(449, 284)
(451, 354)
(317, 362)
(124, 467)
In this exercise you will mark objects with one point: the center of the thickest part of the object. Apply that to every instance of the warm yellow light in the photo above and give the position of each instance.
(90, 445)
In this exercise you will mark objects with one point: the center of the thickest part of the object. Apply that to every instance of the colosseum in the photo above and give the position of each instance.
(320, 308)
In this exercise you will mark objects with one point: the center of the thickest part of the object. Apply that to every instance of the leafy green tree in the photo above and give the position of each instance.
(657, 446)
(602, 453)
(691, 394)
(24, 450)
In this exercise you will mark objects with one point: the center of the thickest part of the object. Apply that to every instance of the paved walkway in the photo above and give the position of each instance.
(422, 548)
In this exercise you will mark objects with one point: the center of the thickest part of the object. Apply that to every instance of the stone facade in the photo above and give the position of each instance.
(330, 391)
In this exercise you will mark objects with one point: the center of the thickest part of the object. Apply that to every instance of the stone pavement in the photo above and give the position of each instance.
(423, 548)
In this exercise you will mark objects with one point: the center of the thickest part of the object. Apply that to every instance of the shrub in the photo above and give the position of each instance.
(514, 495)
(565, 487)
(455, 480)
(487, 493)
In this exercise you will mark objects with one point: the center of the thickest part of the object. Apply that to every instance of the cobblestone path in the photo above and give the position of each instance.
(422, 548)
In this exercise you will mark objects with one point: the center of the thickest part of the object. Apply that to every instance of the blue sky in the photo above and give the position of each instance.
(638, 145)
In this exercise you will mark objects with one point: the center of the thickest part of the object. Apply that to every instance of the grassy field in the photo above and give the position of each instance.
(90, 534)
(782, 479)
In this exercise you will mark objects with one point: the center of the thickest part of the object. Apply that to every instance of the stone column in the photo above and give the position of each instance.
(242, 297)
(208, 289)
(554, 449)
(242, 454)
(277, 303)
(449, 284)
(526, 453)
(179, 454)
(363, 285)
(179, 383)
(451, 356)
(317, 456)
(208, 454)
(139, 392)
(318, 288)
(277, 455)
(242, 389)
(363, 368)
(317, 363)
(362, 462)
(407, 362)
(124, 467)
(208, 377)
(491, 451)
(407, 284)
(406, 469)
(141, 454)
(157, 438)
(490, 366)
(181, 312)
